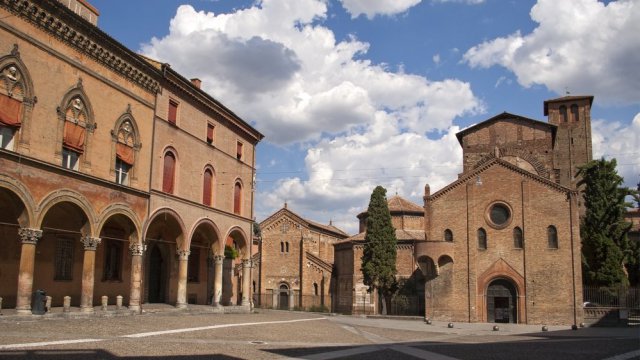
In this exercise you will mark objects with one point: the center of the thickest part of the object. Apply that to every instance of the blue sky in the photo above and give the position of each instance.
(356, 93)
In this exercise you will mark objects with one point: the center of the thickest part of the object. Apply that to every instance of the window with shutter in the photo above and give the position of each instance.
(168, 175)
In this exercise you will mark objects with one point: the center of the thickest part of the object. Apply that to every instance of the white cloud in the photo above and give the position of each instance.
(436, 59)
(583, 45)
(275, 64)
(470, 2)
(371, 8)
(614, 139)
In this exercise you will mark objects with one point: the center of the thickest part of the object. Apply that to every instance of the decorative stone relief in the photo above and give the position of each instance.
(29, 236)
(90, 243)
(137, 249)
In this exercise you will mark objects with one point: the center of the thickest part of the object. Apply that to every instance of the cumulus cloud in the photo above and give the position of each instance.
(276, 65)
(583, 45)
(371, 8)
(619, 140)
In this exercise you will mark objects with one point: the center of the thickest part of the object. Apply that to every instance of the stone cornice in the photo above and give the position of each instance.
(62, 23)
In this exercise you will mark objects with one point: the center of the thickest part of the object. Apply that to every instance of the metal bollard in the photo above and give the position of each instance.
(66, 307)
(47, 305)
(105, 302)
(119, 302)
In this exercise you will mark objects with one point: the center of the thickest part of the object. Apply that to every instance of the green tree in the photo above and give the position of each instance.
(608, 258)
(379, 256)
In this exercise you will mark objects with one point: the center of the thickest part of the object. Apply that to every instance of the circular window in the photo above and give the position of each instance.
(499, 215)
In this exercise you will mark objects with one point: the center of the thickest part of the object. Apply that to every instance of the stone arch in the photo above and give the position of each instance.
(427, 266)
(216, 232)
(240, 237)
(444, 260)
(120, 209)
(500, 270)
(18, 189)
(67, 195)
(531, 159)
(76, 103)
(176, 217)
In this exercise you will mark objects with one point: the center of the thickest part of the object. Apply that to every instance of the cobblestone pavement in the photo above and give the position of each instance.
(281, 335)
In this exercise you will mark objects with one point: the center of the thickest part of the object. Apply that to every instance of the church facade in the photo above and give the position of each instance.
(503, 240)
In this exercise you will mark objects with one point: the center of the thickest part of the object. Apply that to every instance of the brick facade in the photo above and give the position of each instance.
(296, 261)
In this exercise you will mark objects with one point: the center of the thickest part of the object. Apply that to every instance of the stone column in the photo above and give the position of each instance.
(183, 261)
(136, 276)
(218, 260)
(246, 283)
(88, 272)
(29, 238)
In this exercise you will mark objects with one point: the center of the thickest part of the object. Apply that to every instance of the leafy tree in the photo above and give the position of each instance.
(379, 257)
(608, 258)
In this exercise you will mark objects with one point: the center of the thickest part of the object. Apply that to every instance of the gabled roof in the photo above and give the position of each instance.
(308, 223)
(504, 116)
(400, 205)
(499, 162)
(566, 99)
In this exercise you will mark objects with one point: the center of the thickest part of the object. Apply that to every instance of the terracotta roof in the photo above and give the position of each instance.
(566, 98)
(504, 116)
(155, 63)
(329, 227)
(400, 235)
(399, 204)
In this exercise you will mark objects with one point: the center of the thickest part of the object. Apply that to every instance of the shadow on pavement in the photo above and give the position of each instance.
(95, 355)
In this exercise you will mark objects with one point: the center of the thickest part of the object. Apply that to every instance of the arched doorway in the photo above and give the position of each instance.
(201, 268)
(235, 277)
(163, 238)
(157, 278)
(283, 297)
(60, 253)
(502, 302)
(13, 216)
(113, 258)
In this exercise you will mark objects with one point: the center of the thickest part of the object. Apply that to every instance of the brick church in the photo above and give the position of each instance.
(503, 240)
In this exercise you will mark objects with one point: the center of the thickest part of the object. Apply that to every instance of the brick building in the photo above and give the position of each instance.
(503, 241)
(351, 294)
(295, 262)
(117, 175)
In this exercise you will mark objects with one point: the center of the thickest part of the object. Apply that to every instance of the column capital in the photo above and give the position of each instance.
(29, 236)
(137, 249)
(246, 263)
(183, 254)
(218, 259)
(90, 243)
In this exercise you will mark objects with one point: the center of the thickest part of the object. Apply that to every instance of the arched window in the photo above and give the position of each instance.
(563, 114)
(168, 172)
(125, 153)
(552, 237)
(315, 289)
(482, 239)
(207, 186)
(287, 247)
(237, 198)
(448, 235)
(75, 126)
(282, 246)
(575, 116)
(15, 91)
(517, 238)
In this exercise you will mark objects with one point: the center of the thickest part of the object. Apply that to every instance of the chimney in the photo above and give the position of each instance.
(83, 9)
(196, 82)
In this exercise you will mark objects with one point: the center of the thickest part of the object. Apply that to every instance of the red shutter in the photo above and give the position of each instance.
(206, 187)
(125, 153)
(209, 133)
(239, 150)
(73, 137)
(10, 111)
(237, 197)
(169, 172)
(173, 112)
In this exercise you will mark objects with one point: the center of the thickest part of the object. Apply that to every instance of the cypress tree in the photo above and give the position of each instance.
(379, 256)
(608, 258)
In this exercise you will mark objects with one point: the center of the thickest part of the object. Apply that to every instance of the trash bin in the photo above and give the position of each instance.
(39, 302)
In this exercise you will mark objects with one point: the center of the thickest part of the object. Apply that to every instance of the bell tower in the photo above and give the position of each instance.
(572, 146)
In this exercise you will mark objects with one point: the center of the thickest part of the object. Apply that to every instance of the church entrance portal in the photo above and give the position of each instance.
(502, 302)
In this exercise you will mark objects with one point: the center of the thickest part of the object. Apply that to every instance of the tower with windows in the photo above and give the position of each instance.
(572, 147)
